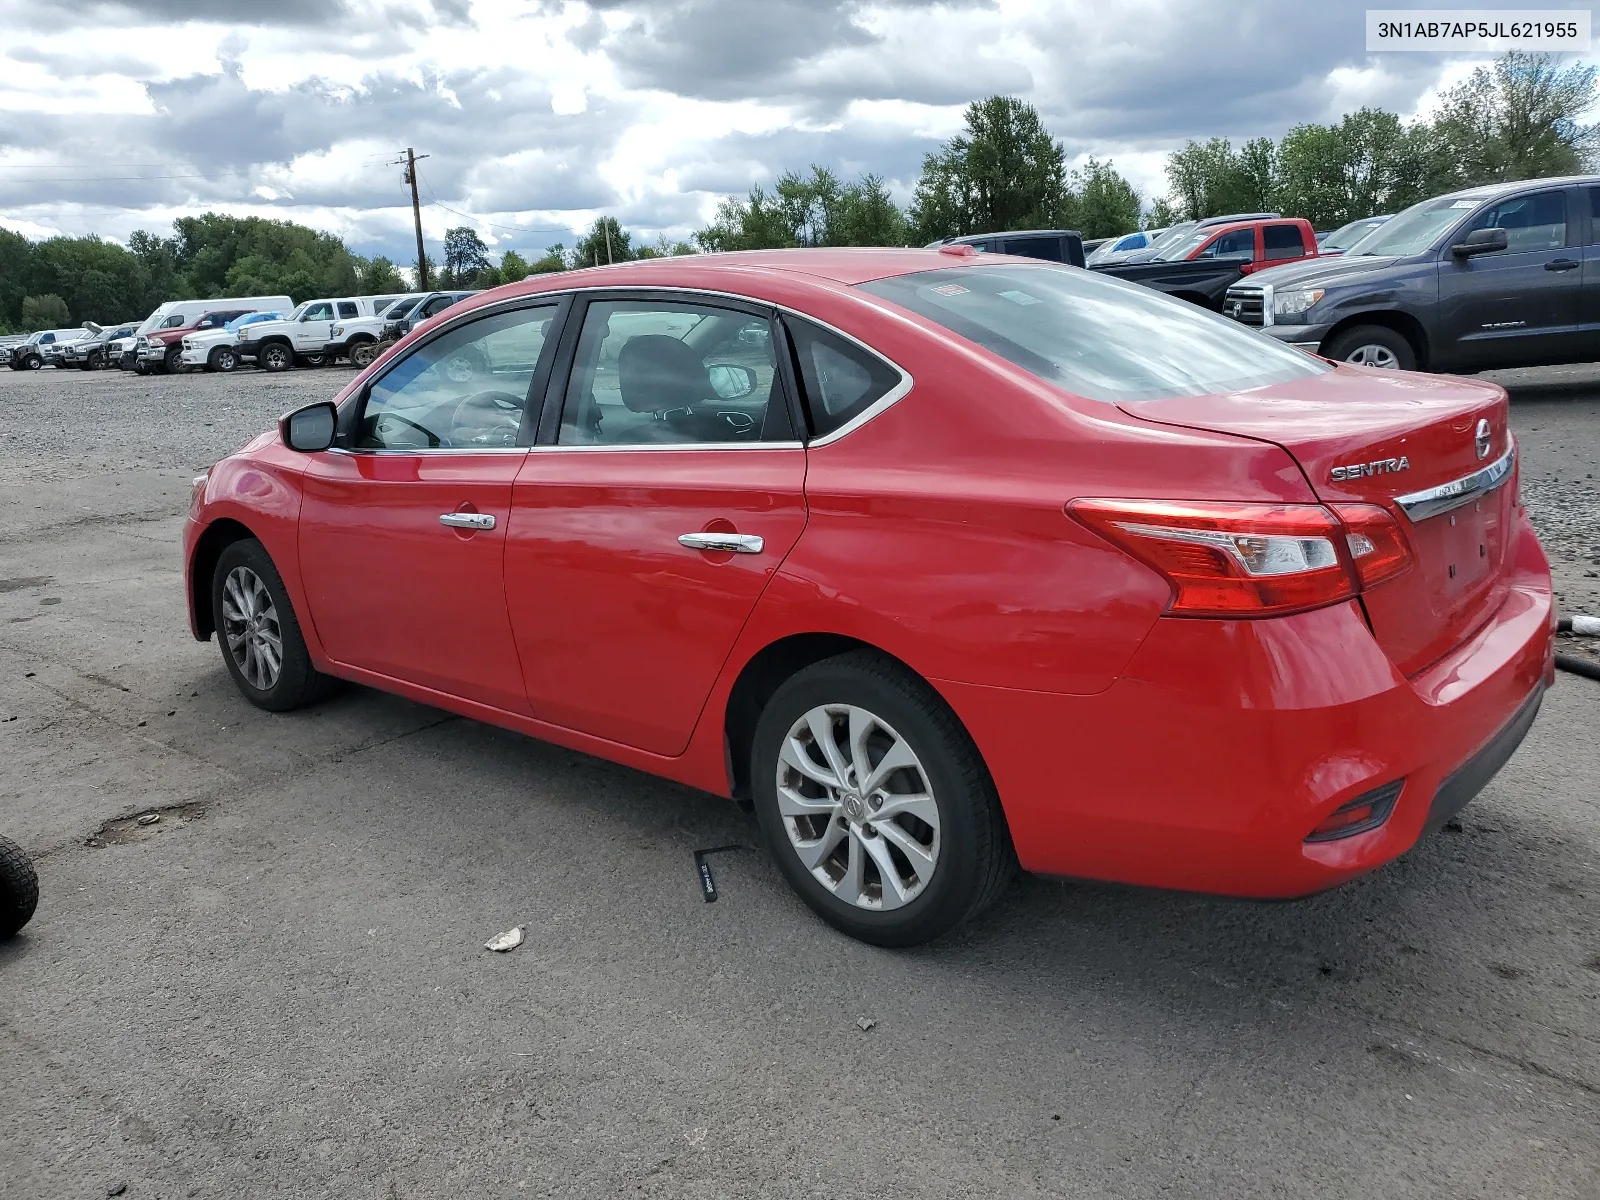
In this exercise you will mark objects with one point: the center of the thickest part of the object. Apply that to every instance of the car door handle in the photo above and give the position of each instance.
(462, 520)
(732, 543)
(1561, 264)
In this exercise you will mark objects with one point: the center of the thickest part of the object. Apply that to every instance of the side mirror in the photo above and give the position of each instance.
(310, 429)
(731, 381)
(1480, 241)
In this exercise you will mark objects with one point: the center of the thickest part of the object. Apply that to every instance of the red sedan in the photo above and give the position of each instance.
(942, 561)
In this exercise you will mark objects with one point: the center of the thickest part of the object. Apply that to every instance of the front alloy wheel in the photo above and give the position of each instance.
(262, 646)
(858, 807)
(274, 356)
(251, 628)
(224, 359)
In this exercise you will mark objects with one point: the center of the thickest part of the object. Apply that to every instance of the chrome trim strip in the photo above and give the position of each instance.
(1266, 305)
(1419, 506)
(436, 450)
(673, 446)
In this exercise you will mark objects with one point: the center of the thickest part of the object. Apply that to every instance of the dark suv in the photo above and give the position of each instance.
(1053, 245)
(403, 321)
(1505, 275)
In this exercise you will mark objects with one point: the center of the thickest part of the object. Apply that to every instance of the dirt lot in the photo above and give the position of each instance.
(280, 987)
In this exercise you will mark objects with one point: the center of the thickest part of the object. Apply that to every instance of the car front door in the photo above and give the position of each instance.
(403, 525)
(652, 514)
(1517, 306)
(1589, 295)
(312, 331)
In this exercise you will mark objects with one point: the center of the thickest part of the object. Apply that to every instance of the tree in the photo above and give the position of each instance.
(44, 312)
(606, 242)
(555, 259)
(1105, 203)
(379, 276)
(868, 216)
(1004, 172)
(513, 267)
(756, 223)
(464, 253)
(1517, 120)
(1161, 215)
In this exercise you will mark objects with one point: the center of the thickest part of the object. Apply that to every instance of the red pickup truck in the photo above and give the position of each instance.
(1201, 267)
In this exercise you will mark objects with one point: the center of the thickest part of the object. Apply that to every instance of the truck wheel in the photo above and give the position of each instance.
(363, 354)
(92, 362)
(1372, 346)
(32, 363)
(19, 888)
(274, 356)
(311, 360)
(222, 359)
(172, 361)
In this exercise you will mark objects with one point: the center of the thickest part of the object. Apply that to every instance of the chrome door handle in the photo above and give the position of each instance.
(460, 520)
(732, 543)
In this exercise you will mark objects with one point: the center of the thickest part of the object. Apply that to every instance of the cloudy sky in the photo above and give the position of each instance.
(117, 115)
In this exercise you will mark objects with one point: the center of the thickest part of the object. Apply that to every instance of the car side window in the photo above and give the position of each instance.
(1282, 241)
(437, 305)
(1594, 216)
(1036, 247)
(1241, 243)
(348, 308)
(1536, 222)
(465, 389)
(840, 379)
(172, 322)
(318, 312)
(661, 373)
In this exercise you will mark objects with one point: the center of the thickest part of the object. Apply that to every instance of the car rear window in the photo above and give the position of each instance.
(1093, 335)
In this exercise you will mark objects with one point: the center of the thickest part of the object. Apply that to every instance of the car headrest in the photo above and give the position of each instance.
(658, 373)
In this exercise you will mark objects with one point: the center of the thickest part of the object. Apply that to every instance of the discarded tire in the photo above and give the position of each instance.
(19, 888)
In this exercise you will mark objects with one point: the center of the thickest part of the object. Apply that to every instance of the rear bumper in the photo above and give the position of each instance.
(1225, 743)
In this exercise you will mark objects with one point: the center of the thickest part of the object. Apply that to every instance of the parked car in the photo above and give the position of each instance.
(162, 349)
(182, 315)
(739, 521)
(1346, 236)
(1115, 249)
(1200, 267)
(400, 321)
(38, 349)
(302, 336)
(93, 352)
(1174, 234)
(1486, 277)
(358, 338)
(54, 352)
(216, 349)
(1052, 245)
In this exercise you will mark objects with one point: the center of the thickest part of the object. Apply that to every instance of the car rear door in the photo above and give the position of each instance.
(403, 523)
(656, 506)
(1517, 306)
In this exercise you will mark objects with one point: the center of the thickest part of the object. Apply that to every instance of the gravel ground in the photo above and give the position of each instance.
(279, 989)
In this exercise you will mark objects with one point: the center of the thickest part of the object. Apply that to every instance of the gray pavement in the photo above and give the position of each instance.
(280, 988)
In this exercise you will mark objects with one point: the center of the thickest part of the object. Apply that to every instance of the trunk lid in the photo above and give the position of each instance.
(1394, 439)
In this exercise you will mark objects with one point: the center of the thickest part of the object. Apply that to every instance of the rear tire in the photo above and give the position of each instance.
(19, 889)
(936, 821)
(274, 356)
(1372, 346)
(310, 360)
(258, 632)
(363, 354)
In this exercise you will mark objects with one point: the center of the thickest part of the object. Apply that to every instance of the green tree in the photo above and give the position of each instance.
(379, 276)
(755, 223)
(606, 242)
(1104, 203)
(513, 267)
(1003, 172)
(554, 259)
(1161, 215)
(1208, 179)
(464, 252)
(868, 216)
(44, 312)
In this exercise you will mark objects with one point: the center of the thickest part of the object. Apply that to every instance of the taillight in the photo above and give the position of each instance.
(1377, 547)
(1251, 560)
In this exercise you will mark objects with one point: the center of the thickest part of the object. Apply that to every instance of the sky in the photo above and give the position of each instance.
(538, 115)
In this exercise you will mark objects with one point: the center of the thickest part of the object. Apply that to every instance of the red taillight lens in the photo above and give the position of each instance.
(1377, 547)
(1230, 560)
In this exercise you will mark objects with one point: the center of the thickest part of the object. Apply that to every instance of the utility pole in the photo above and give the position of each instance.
(410, 160)
(606, 225)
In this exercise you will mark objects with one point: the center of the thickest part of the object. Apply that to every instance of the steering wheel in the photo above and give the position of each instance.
(500, 411)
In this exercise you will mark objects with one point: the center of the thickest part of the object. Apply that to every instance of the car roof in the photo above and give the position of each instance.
(838, 264)
(1488, 191)
(1230, 226)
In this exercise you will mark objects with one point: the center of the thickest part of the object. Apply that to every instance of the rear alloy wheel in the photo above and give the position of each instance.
(274, 356)
(261, 642)
(1373, 346)
(363, 354)
(222, 359)
(875, 803)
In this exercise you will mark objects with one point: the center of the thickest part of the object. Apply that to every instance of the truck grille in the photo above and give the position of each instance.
(1245, 303)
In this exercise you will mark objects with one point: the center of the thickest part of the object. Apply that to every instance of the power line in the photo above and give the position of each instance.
(106, 178)
(436, 202)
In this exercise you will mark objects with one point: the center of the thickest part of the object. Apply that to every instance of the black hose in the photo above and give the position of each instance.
(1563, 624)
(1578, 666)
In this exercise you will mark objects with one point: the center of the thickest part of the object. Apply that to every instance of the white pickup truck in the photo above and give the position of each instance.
(358, 338)
(303, 336)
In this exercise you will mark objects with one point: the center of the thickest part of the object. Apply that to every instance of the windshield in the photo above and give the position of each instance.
(1346, 236)
(1182, 247)
(1178, 233)
(152, 320)
(402, 307)
(1414, 230)
(1096, 336)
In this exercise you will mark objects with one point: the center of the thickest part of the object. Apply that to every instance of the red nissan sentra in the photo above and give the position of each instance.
(943, 561)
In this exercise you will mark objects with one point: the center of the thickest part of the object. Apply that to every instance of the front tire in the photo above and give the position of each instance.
(172, 361)
(223, 359)
(259, 633)
(875, 802)
(1373, 346)
(92, 362)
(32, 363)
(274, 356)
(363, 354)
(311, 360)
(19, 888)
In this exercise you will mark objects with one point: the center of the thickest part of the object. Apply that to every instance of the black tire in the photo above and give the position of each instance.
(297, 682)
(363, 353)
(171, 361)
(19, 888)
(1372, 345)
(140, 367)
(32, 363)
(222, 359)
(311, 360)
(975, 858)
(92, 362)
(274, 356)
